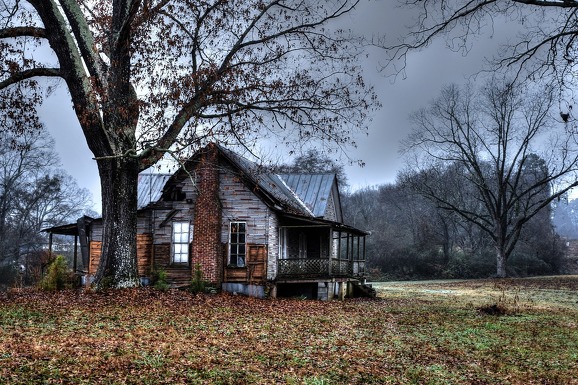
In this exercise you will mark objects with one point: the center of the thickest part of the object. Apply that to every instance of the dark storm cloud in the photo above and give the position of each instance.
(425, 74)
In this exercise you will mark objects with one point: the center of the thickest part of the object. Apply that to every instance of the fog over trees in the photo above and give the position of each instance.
(485, 168)
(412, 238)
(34, 194)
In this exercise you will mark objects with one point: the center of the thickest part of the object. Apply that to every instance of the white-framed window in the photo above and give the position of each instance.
(181, 240)
(237, 244)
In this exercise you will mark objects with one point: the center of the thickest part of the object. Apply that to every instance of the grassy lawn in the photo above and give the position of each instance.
(435, 332)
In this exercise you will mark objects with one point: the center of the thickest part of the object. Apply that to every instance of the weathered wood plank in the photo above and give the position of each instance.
(95, 249)
(144, 254)
(162, 255)
(255, 270)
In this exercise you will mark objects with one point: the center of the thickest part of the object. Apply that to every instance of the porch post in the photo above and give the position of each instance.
(75, 253)
(364, 250)
(50, 243)
(347, 247)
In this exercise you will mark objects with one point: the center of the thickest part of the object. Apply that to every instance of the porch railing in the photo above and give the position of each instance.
(320, 268)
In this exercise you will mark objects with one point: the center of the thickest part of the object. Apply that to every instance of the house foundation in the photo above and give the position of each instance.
(320, 289)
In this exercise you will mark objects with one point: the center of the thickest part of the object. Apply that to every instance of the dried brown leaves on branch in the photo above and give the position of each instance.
(148, 78)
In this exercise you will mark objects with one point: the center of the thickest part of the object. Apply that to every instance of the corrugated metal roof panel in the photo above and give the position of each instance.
(150, 188)
(313, 189)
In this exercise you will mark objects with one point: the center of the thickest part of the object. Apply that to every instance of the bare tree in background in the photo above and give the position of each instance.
(543, 41)
(492, 138)
(315, 162)
(34, 194)
(147, 77)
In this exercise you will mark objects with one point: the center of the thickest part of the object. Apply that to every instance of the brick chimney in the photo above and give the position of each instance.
(206, 248)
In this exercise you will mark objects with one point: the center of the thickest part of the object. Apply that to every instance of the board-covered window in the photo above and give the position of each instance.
(237, 244)
(181, 231)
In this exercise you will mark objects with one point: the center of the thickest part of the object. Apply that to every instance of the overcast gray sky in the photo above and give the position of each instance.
(427, 72)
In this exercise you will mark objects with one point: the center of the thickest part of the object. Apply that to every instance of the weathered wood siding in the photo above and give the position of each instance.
(240, 204)
(330, 211)
(163, 219)
(143, 253)
(333, 207)
(163, 214)
(178, 275)
(95, 233)
(144, 249)
(95, 248)
(143, 226)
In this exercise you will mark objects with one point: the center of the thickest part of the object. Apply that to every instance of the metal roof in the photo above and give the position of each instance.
(313, 189)
(305, 194)
(269, 182)
(150, 188)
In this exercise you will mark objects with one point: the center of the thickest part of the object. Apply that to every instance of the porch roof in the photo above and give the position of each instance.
(69, 228)
(326, 223)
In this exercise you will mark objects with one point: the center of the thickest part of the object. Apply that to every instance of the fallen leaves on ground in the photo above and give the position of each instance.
(175, 337)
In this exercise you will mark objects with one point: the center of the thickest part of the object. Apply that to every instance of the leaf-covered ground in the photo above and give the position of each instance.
(422, 335)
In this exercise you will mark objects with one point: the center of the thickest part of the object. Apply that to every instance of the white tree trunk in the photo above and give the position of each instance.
(501, 264)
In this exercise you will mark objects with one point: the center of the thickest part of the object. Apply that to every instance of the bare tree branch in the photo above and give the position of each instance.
(6, 33)
(485, 145)
(29, 74)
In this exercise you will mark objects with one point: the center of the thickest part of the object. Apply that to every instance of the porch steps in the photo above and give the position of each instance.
(363, 290)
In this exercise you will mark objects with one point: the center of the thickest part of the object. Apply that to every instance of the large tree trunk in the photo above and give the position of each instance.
(118, 263)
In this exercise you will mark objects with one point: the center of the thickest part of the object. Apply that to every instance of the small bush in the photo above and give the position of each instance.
(160, 280)
(198, 285)
(57, 276)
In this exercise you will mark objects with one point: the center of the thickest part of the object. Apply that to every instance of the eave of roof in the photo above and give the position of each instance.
(332, 224)
(67, 229)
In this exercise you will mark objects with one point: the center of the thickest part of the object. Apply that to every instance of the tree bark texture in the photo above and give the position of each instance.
(118, 263)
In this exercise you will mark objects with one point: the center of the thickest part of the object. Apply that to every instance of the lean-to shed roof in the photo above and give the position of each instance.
(150, 188)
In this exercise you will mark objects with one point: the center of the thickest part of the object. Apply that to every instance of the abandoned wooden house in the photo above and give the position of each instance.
(250, 232)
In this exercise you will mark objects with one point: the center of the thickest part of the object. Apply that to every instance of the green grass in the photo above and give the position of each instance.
(413, 333)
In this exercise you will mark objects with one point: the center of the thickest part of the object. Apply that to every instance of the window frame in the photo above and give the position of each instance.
(235, 245)
(184, 239)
